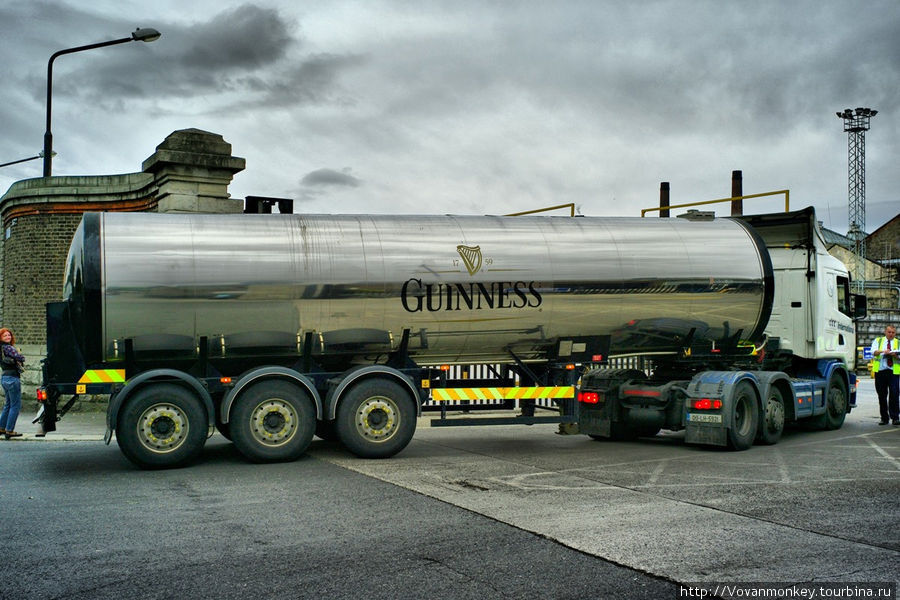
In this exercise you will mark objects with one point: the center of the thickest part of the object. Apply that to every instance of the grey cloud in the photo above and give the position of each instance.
(246, 37)
(242, 58)
(330, 177)
(212, 57)
(663, 71)
(313, 80)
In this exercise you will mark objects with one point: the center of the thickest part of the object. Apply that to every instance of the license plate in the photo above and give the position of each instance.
(701, 418)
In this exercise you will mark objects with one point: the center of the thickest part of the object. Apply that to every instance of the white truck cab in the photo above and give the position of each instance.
(813, 310)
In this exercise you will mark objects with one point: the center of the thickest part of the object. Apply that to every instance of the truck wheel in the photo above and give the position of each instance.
(163, 425)
(835, 404)
(376, 418)
(771, 425)
(272, 421)
(745, 417)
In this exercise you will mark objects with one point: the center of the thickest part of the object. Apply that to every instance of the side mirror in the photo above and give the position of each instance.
(860, 307)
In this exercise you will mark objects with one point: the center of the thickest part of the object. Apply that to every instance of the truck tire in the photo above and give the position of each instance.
(376, 418)
(163, 425)
(835, 404)
(771, 423)
(272, 421)
(744, 417)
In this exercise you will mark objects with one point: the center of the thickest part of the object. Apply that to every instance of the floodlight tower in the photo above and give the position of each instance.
(856, 124)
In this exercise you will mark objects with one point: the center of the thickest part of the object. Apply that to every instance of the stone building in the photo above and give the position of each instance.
(881, 277)
(189, 172)
(882, 282)
(883, 244)
(883, 247)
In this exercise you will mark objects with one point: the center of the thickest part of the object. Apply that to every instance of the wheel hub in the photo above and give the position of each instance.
(162, 427)
(273, 422)
(377, 418)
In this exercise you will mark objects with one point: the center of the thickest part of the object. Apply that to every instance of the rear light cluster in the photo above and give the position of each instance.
(41, 394)
(706, 404)
(589, 397)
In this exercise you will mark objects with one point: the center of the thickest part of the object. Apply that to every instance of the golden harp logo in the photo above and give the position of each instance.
(471, 256)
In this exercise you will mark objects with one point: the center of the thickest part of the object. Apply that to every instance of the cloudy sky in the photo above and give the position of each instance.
(472, 107)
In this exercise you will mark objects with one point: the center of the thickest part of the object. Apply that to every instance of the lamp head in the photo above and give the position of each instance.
(145, 34)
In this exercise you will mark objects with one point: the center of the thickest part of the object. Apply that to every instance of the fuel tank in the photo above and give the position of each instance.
(468, 288)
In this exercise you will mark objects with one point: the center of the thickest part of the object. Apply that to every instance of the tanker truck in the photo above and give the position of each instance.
(274, 328)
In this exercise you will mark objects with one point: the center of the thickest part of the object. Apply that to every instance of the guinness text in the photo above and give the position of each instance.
(417, 296)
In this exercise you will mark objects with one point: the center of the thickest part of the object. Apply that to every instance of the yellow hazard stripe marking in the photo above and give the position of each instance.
(103, 376)
(510, 393)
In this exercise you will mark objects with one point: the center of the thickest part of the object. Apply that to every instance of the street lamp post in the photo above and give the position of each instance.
(139, 35)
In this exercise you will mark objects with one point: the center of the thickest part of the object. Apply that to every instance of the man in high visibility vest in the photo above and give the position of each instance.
(887, 377)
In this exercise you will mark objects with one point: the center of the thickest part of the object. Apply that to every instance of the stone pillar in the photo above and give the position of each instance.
(192, 170)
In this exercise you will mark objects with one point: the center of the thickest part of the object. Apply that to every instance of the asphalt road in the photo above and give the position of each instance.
(494, 512)
(80, 522)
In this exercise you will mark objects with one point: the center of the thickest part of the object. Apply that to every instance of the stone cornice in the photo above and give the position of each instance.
(78, 194)
(192, 148)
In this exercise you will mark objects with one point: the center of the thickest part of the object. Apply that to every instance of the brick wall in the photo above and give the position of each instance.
(33, 260)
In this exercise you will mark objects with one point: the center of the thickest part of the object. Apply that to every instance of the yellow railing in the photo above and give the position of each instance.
(787, 201)
(570, 206)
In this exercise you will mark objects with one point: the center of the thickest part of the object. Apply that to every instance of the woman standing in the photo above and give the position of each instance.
(13, 363)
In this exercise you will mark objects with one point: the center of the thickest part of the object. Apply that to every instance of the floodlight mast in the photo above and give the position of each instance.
(856, 123)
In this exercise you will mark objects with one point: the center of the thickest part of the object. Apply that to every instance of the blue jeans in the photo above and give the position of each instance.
(12, 386)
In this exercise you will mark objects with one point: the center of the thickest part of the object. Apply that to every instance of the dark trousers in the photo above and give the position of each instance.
(888, 387)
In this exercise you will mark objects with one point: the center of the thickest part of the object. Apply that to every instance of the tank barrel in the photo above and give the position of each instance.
(468, 288)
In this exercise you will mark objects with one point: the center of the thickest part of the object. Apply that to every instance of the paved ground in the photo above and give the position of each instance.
(818, 506)
(821, 506)
(82, 523)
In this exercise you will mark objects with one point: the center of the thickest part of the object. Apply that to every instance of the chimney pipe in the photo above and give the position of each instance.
(664, 198)
(737, 189)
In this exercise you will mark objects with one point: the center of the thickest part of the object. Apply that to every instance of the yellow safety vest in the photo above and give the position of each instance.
(881, 344)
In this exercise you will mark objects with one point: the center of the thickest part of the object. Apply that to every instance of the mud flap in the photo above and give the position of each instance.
(705, 433)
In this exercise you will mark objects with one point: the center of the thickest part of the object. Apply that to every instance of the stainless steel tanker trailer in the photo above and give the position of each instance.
(272, 328)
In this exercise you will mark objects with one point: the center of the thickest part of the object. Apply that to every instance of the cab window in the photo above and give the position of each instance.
(843, 295)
